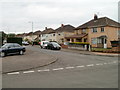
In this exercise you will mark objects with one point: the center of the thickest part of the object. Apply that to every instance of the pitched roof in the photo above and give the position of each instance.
(30, 33)
(104, 21)
(48, 31)
(37, 32)
(65, 28)
(21, 35)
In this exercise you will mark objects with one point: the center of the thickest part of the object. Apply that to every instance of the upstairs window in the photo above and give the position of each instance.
(53, 34)
(102, 29)
(76, 32)
(59, 34)
(94, 30)
(83, 30)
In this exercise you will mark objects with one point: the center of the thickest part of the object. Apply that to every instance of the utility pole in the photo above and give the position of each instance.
(32, 31)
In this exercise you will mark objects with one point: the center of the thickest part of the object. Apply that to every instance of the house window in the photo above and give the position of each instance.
(53, 34)
(76, 32)
(94, 30)
(84, 31)
(118, 32)
(59, 34)
(102, 29)
(94, 41)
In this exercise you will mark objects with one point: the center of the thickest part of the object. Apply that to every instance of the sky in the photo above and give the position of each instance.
(16, 16)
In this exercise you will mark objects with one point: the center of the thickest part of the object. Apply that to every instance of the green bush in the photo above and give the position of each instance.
(79, 43)
(100, 49)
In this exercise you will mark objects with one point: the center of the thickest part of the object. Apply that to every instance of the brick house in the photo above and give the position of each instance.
(98, 32)
(37, 35)
(46, 35)
(64, 31)
(32, 36)
(58, 34)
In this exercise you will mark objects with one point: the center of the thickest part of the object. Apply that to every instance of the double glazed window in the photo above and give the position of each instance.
(53, 34)
(84, 31)
(102, 29)
(94, 30)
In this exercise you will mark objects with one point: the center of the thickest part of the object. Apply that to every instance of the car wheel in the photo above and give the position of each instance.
(21, 52)
(51, 48)
(2, 54)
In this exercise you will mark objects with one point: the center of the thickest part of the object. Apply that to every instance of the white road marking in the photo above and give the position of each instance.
(28, 72)
(57, 69)
(105, 63)
(110, 63)
(46, 70)
(69, 67)
(80, 66)
(115, 62)
(99, 64)
(90, 65)
(13, 73)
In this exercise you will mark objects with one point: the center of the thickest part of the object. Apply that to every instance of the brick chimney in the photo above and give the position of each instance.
(95, 17)
(62, 25)
(45, 28)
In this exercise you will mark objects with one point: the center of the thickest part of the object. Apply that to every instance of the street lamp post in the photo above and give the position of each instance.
(32, 31)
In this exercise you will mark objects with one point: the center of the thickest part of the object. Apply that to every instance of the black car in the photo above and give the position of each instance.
(53, 46)
(11, 48)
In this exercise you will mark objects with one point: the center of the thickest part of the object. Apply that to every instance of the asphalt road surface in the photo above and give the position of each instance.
(72, 70)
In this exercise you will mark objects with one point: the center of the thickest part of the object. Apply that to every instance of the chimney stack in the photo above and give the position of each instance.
(95, 17)
(45, 28)
(62, 25)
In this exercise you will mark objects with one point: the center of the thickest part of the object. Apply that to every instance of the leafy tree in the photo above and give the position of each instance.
(2, 37)
(11, 35)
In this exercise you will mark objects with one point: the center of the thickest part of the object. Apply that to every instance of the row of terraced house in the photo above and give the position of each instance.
(98, 32)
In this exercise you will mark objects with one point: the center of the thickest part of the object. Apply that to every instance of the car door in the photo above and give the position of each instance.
(10, 49)
(16, 48)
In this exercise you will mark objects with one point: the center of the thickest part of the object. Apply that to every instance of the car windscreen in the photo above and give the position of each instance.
(17, 45)
(7, 45)
(55, 44)
(45, 42)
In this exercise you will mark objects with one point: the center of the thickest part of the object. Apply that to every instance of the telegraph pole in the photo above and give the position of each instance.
(32, 31)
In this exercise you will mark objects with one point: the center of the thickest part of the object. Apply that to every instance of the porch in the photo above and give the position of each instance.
(99, 42)
(77, 38)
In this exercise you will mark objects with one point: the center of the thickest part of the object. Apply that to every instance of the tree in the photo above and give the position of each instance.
(2, 37)
(11, 35)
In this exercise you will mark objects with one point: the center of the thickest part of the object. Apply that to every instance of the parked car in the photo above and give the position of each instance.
(25, 43)
(11, 48)
(44, 44)
(53, 46)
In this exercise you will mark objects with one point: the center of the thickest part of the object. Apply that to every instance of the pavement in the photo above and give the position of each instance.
(90, 53)
(30, 60)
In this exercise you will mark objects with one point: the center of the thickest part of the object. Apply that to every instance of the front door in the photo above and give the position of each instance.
(104, 42)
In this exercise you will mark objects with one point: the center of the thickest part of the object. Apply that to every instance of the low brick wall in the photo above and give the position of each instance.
(64, 46)
(116, 49)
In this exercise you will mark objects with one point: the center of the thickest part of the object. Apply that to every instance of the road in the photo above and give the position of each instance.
(72, 70)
